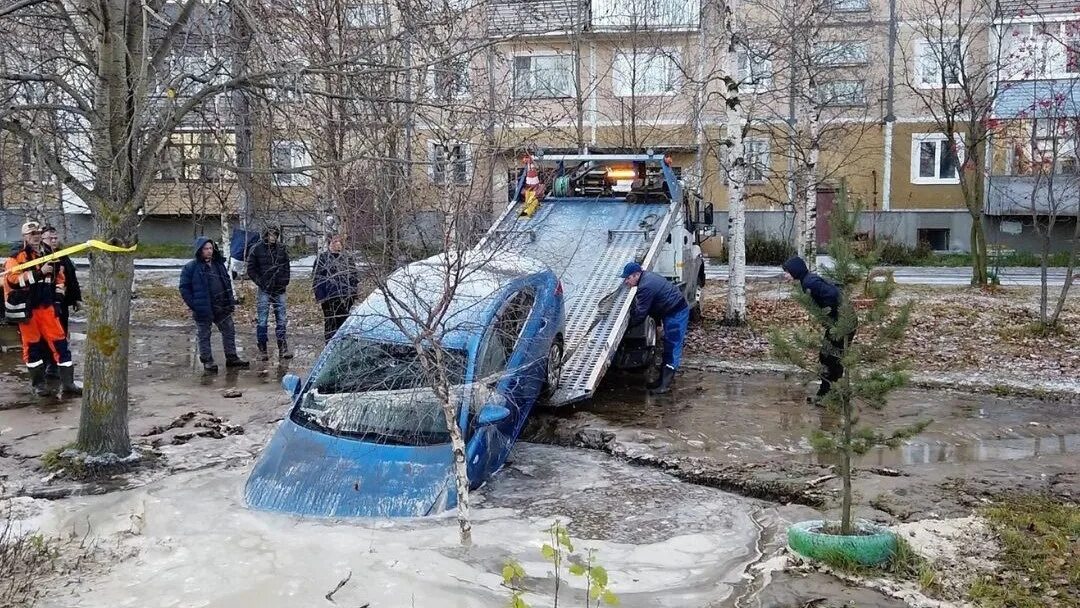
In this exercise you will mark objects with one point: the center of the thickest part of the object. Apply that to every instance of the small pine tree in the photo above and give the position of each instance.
(871, 367)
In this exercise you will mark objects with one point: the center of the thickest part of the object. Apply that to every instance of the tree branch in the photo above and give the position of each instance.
(50, 158)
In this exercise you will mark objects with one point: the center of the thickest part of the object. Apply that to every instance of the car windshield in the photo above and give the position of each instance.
(380, 391)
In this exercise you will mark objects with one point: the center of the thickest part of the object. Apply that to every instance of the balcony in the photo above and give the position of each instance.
(554, 17)
(1013, 195)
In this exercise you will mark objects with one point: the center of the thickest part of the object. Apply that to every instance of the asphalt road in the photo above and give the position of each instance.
(907, 275)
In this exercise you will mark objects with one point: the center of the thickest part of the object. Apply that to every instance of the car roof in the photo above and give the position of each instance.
(476, 282)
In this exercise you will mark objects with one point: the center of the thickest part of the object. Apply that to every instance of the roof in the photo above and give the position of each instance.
(415, 294)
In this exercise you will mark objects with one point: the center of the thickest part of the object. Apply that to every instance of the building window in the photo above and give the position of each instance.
(755, 71)
(645, 73)
(290, 155)
(1052, 149)
(644, 15)
(841, 53)
(756, 152)
(449, 163)
(842, 93)
(194, 156)
(937, 239)
(539, 76)
(1041, 50)
(287, 89)
(367, 15)
(939, 64)
(34, 170)
(850, 6)
(449, 79)
(931, 160)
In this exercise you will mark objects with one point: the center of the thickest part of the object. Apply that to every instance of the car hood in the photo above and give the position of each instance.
(306, 472)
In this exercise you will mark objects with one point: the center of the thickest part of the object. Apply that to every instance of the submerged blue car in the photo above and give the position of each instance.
(366, 434)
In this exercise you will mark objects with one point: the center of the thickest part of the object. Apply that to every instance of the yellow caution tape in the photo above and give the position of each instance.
(102, 245)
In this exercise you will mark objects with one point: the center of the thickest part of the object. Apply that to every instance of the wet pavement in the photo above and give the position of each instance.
(663, 543)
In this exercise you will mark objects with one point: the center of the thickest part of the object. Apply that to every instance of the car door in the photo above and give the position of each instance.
(504, 363)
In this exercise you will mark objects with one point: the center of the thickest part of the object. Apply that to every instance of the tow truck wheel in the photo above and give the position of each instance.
(554, 367)
(695, 306)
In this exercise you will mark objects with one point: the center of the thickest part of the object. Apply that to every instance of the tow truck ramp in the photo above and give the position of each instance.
(586, 242)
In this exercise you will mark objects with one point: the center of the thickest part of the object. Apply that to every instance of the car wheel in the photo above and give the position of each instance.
(695, 306)
(554, 368)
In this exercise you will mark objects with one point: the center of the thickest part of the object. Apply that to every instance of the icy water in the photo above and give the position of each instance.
(194, 543)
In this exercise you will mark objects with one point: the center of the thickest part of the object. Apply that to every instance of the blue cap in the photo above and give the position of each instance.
(630, 268)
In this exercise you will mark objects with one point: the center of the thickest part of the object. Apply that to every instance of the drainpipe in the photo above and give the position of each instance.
(592, 93)
(890, 117)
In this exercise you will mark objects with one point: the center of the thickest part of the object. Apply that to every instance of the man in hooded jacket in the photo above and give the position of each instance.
(207, 291)
(268, 268)
(827, 297)
(660, 299)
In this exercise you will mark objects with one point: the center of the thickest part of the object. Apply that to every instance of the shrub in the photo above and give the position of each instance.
(763, 250)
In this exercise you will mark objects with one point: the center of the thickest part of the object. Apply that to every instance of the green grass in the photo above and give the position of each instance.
(165, 250)
(905, 565)
(187, 249)
(1040, 559)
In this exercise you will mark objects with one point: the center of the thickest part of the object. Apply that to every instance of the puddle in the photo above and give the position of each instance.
(712, 413)
(663, 543)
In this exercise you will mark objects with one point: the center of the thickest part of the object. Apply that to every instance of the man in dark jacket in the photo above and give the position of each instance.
(207, 291)
(828, 298)
(334, 280)
(268, 267)
(72, 296)
(660, 299)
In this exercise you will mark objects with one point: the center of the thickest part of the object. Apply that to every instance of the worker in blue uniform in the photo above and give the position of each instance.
(660, 299)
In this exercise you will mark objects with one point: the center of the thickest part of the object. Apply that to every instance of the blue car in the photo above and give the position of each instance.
(366, 434)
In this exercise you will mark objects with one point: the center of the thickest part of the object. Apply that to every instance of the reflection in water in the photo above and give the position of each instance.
(769, 411)
(978, 450)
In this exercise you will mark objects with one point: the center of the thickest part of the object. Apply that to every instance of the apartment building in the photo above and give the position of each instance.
(856, 81)
(832, 92)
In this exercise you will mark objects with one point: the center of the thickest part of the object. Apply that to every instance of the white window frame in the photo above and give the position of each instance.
(630, 62)
(754, 80)
(917, 139)
(366, 15)
(462, 161)
(850, 6)
(922, 48)
(534, 91)
(757, 153)
(464, 81)
(829, 54)
(1048, 54)
(298, 157)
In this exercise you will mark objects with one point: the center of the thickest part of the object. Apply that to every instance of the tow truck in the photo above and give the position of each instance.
(596, 212)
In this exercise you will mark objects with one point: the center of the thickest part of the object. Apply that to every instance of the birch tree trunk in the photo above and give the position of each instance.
(809, 236)
(736, 161)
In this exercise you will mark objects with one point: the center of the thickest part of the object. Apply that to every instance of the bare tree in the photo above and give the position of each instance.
(955, 74)
(119, 78)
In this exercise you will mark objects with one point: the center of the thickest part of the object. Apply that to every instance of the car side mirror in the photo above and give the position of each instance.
(492, 414)
(291, 383)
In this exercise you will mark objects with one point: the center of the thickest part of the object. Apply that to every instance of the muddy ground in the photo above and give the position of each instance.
(739, 435)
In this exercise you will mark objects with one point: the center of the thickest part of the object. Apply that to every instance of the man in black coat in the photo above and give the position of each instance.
(268, 267)
(72, 296)
(207, 291)
(828, 297)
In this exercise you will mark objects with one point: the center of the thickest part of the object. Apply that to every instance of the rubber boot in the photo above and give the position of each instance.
(209, 366)
(236, 362)
(51, 371)
(37, 380)
(667, 375)
(263, 355)
(283, 350)
(68, 386)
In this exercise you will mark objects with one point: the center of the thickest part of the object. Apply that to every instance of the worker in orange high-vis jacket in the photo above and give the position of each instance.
(30, 298)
